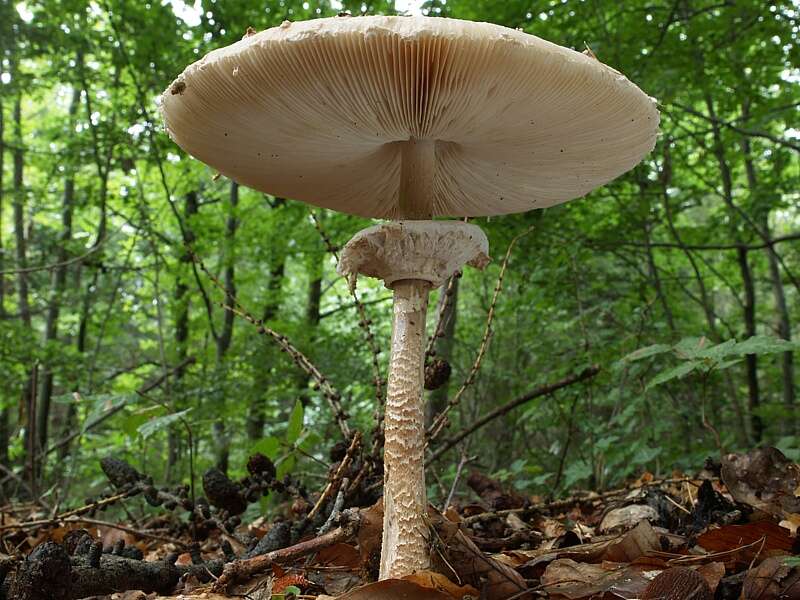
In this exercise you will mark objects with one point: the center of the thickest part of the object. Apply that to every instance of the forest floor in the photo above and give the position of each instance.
(728, 532)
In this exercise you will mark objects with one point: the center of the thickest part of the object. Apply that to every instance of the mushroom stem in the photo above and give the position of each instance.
(405, 533)
(418, 163)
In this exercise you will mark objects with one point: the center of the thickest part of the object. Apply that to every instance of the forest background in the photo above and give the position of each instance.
(678, 279)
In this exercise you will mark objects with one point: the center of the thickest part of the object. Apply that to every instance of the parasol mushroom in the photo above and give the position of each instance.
(408, 118)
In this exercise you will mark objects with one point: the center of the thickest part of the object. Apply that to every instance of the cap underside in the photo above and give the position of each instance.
(318, 111)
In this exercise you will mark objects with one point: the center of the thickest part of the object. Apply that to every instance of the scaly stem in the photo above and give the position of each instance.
(405, 533)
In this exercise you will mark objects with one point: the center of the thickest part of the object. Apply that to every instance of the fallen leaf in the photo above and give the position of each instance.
(395, 589)
(730, 537)
(567, 579)
(770, 580)
(627, 517)
(764, 479)
(439, 582)
(638, 542)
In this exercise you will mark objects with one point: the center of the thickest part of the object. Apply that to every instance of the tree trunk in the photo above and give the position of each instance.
(751, 360)
(59, 280)
(447, 312)
(4, 411)
(705, 298)
(222, 438)
(256, 412)
(784, 323)
(181, 326)
(26, 413)
(2, 250)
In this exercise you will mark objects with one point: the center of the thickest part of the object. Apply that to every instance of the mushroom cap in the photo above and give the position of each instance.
(319, 111)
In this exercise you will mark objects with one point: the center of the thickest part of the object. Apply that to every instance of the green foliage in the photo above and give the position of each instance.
(657, 260)
(697, 355)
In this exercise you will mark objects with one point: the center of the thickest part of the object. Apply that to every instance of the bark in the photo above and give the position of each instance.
(256, 413)
(4, 416)
(448, 312)
(182, 323)
(751, 360)
(26, 406)
(225, 336)
(19, 218)
(705, 299)
(59, 280)
(2, 250)
(781, 308)
(404, 548)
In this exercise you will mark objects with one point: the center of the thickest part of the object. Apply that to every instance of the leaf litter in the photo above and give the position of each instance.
(729, 532)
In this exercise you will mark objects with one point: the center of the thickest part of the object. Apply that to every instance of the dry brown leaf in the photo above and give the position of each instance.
(439, 582)
(455, 551)
(638, 542)
(627, 517)
(764, 479)
(712, 573)
(395, 589)
(567, 579)
(730, 537)
(339, 555)
(770, 580)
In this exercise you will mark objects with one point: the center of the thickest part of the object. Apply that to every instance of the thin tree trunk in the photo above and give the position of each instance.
(59, 280)
(781, 308)
(256, 417)
(25, 405)
(4, 411)
(222, 438)
(447, 311)
(181, 326)
(2, 189)
(751, 360)
(19, 217)
(705, 298)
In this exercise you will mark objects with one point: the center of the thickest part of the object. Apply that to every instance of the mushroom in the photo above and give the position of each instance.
(407, 118)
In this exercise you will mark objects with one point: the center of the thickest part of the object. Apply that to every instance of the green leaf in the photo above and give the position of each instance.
(286, 467)
(718, 351)
(295, 423)
(676, 372)
(647, 352)
(691, 347)
(159, 423)
(764, 344)
(102, 404)
(267, 446)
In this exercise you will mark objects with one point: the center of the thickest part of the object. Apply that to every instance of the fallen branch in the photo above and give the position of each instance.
(243, 569)
(544, 390)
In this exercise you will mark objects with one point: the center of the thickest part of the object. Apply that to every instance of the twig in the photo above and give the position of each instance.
(77, 519)
(576, 499)
(465, 460)
(441, 419)
(243, 569)
(363, 321)
(544, 390)
(65, 263)
(441, 323)
(301, 360)
(333, 484)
